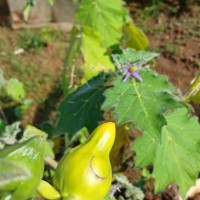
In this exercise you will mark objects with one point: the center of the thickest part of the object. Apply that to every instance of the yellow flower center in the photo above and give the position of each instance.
(132, 69)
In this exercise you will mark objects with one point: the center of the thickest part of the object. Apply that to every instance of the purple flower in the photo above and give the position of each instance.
(132, 70)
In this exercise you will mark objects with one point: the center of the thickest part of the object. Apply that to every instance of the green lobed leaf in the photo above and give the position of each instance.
(142, 103)
(179, 152)
(82, 107)
(137, 58)
(11, 172)
(106, 18)
(146, 148)
(9, 134)
(94, 55)
(29, 156)
(31, 131)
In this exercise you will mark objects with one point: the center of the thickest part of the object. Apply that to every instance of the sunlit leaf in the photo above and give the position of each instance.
(26, 11)
(178, 153)
(15, 89)
(29, 156)
(94, 55)
(11, 173)
(142, 103)
(82, 108)
(106, 18)
(134, 37)
(31, 131)
(27, 8)
(194, 91)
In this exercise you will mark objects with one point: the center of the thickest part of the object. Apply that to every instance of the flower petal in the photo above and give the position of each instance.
(137, 76)
(128, 74)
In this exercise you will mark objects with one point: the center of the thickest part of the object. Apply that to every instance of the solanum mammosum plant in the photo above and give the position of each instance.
(85, 171)
(117, 80)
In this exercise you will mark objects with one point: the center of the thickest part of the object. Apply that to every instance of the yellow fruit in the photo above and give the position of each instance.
(84, 173)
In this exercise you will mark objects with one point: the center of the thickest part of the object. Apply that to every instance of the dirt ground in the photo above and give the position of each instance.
(176, 36)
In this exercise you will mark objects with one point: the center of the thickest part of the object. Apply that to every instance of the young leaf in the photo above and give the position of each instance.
(106, 18)
(27, 155)
(179, 152)
(10, 173)
(134, 37)
(142, 103)
(94, 55)
(137, 58)
(15, 89)
(82, 107)
(9, 134)
(27, 8)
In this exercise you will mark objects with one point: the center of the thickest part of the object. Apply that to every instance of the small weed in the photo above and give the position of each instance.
(170, 48)
(30, 40)
(152, 10)
(36, 40)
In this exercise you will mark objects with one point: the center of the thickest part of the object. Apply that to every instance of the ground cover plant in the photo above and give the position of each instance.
(116, 79)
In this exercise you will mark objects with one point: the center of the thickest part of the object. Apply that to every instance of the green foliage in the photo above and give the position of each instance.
(36, 40)
(82, 107)
(20, 110)
(170, 137)
(148, 100)
(27, 155)
(167, 132)
(137, 58)
(2, 126)
(11, 88)
(134, 37)
(94, 55)
(27, 8)
(11, 172)
(178, 153)
(15, 89)
(51, 2)
(9, 134)
(105, 18)
(194, 91)
(31, 131)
